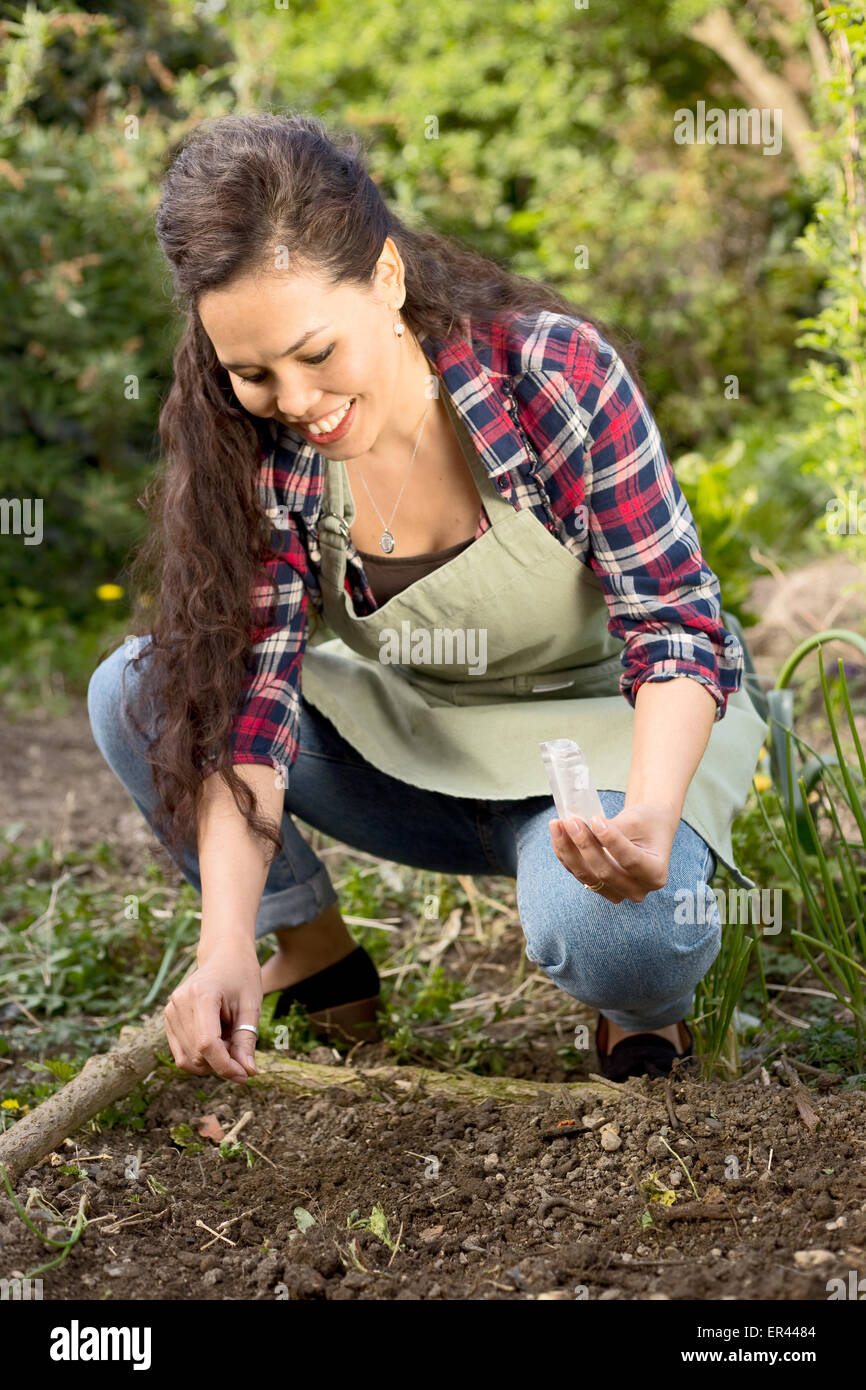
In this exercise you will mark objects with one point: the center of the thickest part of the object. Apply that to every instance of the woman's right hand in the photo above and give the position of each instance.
(204, 1011)
(203, 1014)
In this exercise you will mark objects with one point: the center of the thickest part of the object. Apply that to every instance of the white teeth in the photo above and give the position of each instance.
(331, 421)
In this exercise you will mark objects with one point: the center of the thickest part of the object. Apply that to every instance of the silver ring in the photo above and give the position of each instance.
(247, 1028)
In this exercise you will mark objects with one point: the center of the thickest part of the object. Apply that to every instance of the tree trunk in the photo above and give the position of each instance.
(765, 88)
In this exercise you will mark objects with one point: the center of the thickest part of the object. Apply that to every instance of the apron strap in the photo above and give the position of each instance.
(495, 504)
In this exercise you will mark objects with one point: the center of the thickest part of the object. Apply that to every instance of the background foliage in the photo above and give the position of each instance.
(531, 131)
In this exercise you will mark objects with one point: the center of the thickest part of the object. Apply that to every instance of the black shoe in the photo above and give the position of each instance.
(644, 1054)
(342, 1000)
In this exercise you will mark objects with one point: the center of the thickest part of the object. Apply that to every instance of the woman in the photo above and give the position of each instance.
(373, 425)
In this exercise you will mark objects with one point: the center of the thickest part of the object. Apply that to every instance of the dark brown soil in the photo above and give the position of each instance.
(479, 1204)
(55, 782)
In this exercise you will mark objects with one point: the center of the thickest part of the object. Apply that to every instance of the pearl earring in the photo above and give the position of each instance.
(399, 326)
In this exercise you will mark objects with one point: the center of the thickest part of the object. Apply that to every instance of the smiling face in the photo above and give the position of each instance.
(298, 350)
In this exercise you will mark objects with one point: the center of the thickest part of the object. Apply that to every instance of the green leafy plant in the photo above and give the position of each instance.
(377, 1222)
(185, 1139)
(236, 1150)
(83, 948)
(290, 1032)
(835, 896)
(834, 382)
(717, 996)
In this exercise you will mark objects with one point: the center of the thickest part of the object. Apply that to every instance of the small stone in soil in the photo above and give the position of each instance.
(812, 1259)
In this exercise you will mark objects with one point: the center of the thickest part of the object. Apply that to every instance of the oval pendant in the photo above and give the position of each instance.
(387, 542)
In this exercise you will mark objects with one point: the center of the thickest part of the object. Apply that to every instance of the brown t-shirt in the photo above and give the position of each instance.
(388, 575)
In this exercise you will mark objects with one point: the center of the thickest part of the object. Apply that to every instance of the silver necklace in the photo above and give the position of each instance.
(386, 540)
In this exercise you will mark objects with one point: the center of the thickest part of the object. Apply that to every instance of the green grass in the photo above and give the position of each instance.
(86, 949)
(82, 948)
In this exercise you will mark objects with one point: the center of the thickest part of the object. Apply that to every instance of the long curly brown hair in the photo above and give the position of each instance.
(236, 186)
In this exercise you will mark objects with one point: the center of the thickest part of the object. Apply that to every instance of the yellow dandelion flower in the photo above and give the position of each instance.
(762, 782)
(10, 1105)
(108, 592)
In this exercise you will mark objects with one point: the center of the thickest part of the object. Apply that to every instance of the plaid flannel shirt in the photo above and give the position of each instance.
(562, 429)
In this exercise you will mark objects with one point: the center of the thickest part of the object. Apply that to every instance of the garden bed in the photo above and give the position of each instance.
(410, 1194)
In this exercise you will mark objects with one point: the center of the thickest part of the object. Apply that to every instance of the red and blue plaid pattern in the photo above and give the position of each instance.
(562, 429)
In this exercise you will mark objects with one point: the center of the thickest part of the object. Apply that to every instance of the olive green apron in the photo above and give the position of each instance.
(466, 721)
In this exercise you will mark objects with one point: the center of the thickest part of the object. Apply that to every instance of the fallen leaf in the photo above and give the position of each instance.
(665, 1198)
(801, 1097)
(209, 1127)
(303, 1219)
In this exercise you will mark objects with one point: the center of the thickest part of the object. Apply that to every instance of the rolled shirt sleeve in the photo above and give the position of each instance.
(664, 600)
(266, 725)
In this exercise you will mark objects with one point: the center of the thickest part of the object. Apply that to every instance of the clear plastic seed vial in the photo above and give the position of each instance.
(570, 782)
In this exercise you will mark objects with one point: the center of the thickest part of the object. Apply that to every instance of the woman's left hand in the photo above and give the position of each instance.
(626, 856)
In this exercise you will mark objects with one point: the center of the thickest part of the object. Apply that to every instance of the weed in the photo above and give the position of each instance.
(377, 1222)
(74, 1232)
(236, 1150)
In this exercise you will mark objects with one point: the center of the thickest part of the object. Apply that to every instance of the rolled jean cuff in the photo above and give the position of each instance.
(292, 907)
(649, 1022)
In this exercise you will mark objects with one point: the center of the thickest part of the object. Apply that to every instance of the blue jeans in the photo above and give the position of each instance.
(638, 963)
